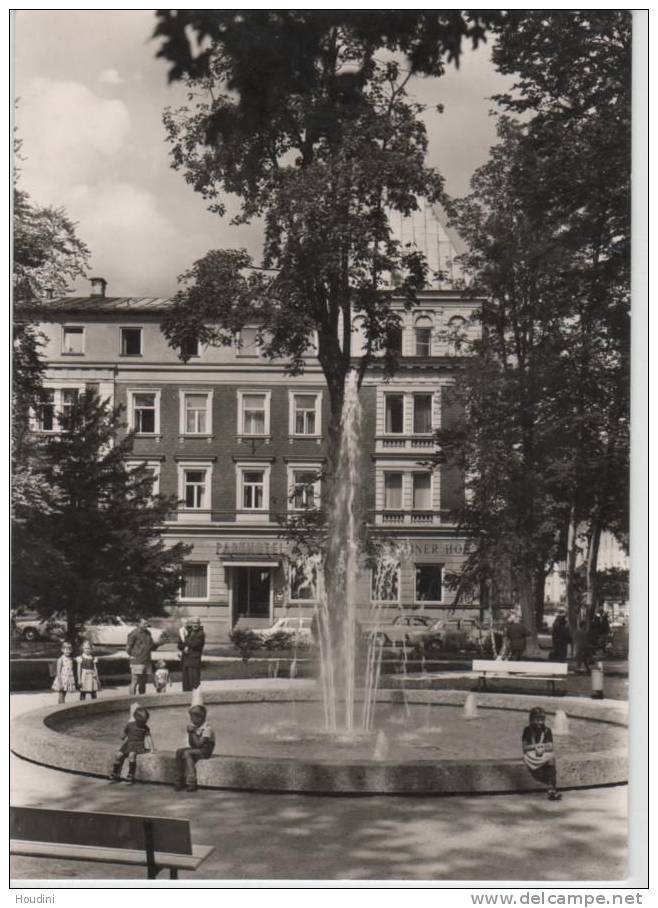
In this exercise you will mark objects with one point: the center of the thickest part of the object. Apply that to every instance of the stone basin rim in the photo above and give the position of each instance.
(35, 737)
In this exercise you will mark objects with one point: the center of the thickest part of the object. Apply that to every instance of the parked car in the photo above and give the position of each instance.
(106, 631)
(298, 626)
(404, 629)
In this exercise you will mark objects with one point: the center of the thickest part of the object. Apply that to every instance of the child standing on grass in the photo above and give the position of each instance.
(88, 678)
(538, 753)
(161, 676)
(136, 740)
(200, 741)
(65, 682)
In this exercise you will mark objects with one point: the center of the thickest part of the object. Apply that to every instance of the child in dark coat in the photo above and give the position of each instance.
(200, 741)
(538, 753)
(136, 740)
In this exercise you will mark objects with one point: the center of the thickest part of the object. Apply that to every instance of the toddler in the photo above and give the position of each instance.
(538, 754)
(200, 743)
(64, 682)
(136, 740)
(161, 676)
(88, 679)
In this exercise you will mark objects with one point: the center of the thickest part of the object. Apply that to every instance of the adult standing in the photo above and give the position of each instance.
(139, 648)
(191, 650)
(517, 635)
(561, 637)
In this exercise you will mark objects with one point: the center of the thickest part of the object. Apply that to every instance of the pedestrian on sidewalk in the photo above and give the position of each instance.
(538, 752)
(582, 647)
(191, 652)
(65, 682)
(139, 647)
(561, 636)
(517, 635)
(88, 678)
(200, 743)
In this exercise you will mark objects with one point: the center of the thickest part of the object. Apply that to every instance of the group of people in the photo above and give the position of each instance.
(80, 673)
(137, 739)
(586, 641)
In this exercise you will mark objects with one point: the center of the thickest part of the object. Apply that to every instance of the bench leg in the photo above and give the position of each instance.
(173, 873)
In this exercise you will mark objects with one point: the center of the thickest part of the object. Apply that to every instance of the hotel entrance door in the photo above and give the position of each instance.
(251, 593)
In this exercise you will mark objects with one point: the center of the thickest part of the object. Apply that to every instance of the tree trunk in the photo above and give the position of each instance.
(540, 583)
(570, 571)
(526, 588)
(592, 563)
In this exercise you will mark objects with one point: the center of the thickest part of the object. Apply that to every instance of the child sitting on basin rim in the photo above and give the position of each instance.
(538, 753)
(136, 740)
(200, 741)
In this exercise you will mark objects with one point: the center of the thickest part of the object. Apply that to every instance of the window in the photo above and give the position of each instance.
(394, 406)
(46, 410)
(254, 417)
(304, 406)
(131, 341)
(73, 340)
(189, 347)
(152, 469)
(392, 491)
(304, 489)
(248, 342)
(53, 412)
(385, 584)
(144, 412)
(394, 341)
(428, 582)
(422, 413)
(303, 583)
(253, 490)
(195, 581)
(69, 397)
(423, 329)
(422, 491)
(196, 412)
(194, 489)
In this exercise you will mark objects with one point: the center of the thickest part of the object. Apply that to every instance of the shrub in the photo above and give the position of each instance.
(246, 642)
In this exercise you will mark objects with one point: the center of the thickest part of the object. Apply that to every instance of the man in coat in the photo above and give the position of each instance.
(561, 637)
(517, 634)
(139, 647)
(191, 651)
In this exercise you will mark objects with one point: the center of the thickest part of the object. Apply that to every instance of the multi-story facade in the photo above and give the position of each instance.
(241, 443)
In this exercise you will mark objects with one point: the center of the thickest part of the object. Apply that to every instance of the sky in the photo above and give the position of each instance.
(90, 99)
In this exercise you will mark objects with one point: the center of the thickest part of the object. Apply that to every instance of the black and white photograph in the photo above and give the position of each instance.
(320, 448)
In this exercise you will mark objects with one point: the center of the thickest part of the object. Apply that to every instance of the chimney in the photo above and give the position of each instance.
(98, 285)
(49, 293)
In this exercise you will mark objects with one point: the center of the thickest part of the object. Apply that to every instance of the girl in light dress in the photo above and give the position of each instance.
(64, 682)
(538, 753)
(161, 677)
(88, 679)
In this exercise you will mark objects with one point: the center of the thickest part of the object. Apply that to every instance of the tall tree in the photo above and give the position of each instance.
(548, 226)
(96, 547)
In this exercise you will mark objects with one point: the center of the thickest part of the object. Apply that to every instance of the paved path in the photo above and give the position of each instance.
(292, 837)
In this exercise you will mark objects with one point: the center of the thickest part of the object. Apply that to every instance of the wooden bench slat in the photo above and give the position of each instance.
(520, 668)
(110, 855)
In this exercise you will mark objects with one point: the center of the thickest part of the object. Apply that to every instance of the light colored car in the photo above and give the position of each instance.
(405, 629)
(106, 631)
(298, 625)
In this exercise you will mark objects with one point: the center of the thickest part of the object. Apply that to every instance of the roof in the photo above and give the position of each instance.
(108, 304)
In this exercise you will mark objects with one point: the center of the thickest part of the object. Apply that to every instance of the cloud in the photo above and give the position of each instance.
(69, 134)
(110, 77)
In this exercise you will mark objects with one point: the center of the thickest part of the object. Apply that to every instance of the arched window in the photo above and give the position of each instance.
(456, 334)
(423, 330)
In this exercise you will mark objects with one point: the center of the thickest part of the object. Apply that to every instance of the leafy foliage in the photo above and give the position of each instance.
(97, 548)
(246, 642)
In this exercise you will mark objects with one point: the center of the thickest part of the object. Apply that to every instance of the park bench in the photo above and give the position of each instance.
(157, 843)
(551, 672)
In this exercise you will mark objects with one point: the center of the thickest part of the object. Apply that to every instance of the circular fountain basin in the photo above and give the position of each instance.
(274, 741)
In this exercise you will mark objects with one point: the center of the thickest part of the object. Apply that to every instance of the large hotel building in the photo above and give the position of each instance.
(237, 440)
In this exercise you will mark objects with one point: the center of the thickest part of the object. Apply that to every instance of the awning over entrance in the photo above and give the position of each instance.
(244, 560)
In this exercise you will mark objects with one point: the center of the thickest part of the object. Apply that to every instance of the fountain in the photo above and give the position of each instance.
(346, 734)
(560, 724)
